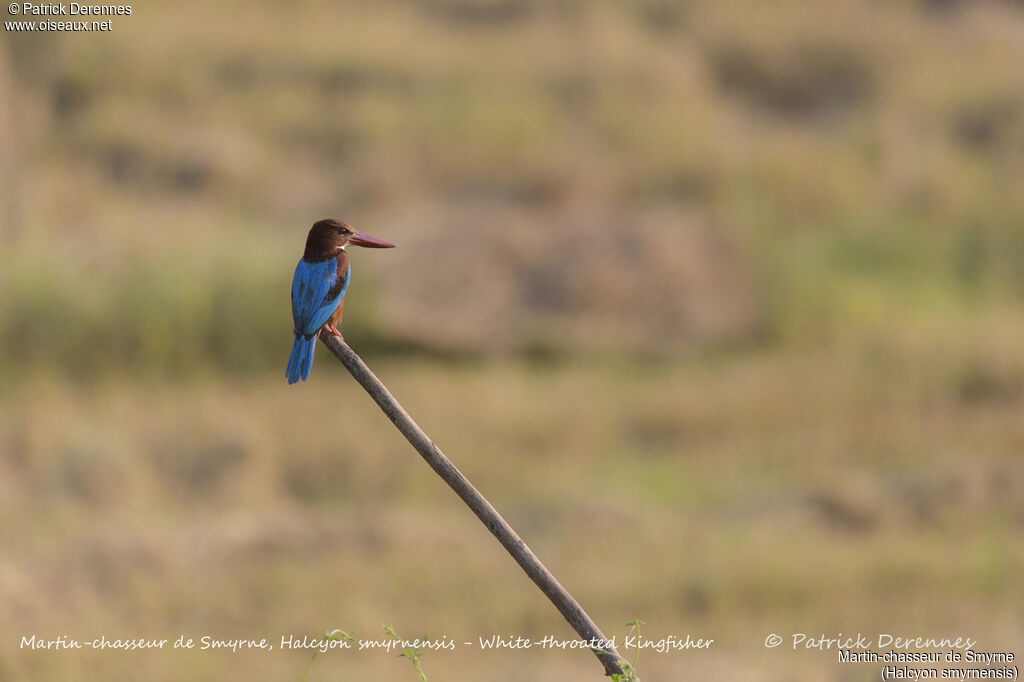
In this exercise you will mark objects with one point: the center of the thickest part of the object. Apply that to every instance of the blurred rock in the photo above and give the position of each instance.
(585, 280)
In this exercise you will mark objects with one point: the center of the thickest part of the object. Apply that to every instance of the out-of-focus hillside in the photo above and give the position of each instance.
(566, 177)
(719, 301)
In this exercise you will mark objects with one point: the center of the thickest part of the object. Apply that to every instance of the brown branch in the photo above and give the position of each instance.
(524, 556)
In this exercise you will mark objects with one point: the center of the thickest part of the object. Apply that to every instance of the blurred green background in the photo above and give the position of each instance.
(720, 302)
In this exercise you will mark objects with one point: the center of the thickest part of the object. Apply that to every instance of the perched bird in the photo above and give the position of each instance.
(318, 288)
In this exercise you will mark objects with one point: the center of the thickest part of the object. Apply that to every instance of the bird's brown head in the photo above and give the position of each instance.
(328, 237)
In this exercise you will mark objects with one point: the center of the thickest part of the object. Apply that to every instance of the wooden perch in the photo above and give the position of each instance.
(524, 556)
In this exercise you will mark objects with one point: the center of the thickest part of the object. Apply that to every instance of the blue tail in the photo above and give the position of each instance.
(301, 360)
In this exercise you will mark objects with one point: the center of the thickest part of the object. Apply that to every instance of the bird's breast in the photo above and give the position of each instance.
(341, 277)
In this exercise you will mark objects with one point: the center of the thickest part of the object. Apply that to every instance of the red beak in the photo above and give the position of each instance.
(361, 239)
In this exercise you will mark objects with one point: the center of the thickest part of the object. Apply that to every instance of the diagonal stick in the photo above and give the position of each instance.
(524, 556)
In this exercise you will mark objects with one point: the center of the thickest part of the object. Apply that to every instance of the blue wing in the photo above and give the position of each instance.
(316, 292)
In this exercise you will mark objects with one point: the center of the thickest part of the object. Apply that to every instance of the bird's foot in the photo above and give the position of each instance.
(334, 330)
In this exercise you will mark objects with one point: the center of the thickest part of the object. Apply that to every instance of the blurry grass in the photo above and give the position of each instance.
(759, 494)
(166, 314)
(845, 455)
(176, 314)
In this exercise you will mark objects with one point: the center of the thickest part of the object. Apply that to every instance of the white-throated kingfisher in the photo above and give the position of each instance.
(318, 288)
